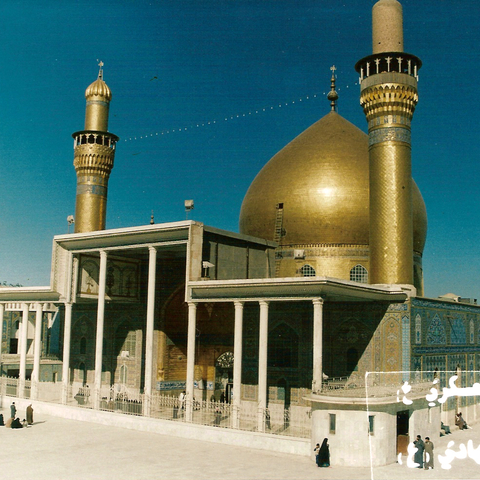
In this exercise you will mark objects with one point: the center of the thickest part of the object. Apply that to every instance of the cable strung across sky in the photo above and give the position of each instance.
(229, 117)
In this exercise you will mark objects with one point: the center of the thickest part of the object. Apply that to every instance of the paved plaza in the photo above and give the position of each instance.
(55, 448)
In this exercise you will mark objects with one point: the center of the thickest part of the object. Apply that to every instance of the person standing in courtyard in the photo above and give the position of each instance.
(323, 457)
(428, 453)
(30, 415)
(418, 457)
(316, 451)
(181, 401)
(13, 410)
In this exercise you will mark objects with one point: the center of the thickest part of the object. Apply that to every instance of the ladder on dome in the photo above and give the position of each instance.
(277, 236)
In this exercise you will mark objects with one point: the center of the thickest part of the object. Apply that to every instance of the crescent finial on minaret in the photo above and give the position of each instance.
(100, 71)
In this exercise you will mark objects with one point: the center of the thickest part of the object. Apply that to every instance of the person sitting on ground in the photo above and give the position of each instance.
(17, 424)
(445, 429)
(1, 420)
(460, 422)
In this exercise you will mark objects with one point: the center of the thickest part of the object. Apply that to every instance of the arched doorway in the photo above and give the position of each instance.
(224, 376)
(83, 373)
(352, 359)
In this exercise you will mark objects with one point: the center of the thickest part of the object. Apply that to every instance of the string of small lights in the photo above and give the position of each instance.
(230, 117)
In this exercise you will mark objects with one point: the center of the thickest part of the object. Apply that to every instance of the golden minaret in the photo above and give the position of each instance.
(388, 97)
(94, 150)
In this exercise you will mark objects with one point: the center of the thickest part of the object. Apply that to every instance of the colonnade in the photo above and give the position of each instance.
(149, 340)
(150, 314)
(22, 344)
(262, 356)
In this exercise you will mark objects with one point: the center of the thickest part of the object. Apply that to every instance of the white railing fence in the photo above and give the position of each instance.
(294, 421)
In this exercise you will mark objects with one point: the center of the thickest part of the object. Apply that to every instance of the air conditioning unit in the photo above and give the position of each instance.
(125, 354)
(299, 254)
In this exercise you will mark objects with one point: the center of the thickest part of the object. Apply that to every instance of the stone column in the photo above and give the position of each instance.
(317, 345)
(2, 311)
(23, 350)
(262, 365)
(99, 333)
(237, 364)
(67, 334)
(192, 321)
(152, 267)
(37, 351)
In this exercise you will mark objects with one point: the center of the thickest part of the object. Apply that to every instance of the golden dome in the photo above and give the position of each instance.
(321, 178)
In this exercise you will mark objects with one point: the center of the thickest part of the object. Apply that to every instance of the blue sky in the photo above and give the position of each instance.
(175, 64)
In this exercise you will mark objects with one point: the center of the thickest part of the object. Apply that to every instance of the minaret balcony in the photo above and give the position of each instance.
(388, 62)
(91, 137)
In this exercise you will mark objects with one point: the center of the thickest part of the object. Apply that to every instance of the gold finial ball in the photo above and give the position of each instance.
(332, 95)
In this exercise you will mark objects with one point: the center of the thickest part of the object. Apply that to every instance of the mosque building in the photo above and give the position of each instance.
(309, 323)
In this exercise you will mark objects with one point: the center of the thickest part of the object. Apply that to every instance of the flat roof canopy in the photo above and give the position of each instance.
(28, 294)
(144, 235)
(295, 288)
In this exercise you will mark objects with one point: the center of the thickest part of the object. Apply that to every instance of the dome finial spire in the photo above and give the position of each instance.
(100, 71)
(332, 94)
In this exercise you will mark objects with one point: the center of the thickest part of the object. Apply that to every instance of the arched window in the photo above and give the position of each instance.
(359, 274)
(308, 271)
(225, 360)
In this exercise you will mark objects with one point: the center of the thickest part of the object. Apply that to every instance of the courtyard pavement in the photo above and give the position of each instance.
(55, 448)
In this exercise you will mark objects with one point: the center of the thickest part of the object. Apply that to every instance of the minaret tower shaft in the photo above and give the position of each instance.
(94, 153)
(389, 96)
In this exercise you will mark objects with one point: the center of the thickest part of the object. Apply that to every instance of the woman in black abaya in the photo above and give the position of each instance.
(323, 457)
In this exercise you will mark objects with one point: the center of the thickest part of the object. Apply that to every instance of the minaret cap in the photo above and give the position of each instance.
(387, 26)
(99, 88)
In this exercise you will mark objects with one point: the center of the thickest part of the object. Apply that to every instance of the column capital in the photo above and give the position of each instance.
(238, 304)
(263, 303)
(318, 301)
(151, 248)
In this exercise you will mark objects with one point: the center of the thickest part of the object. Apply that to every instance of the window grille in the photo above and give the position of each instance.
(308, 271)
(359, 274)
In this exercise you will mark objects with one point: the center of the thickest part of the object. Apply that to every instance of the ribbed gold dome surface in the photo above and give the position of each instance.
(98, 88)
(321, 177)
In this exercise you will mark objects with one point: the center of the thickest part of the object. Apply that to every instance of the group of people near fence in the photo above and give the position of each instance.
(13, 421)
(423, 457)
